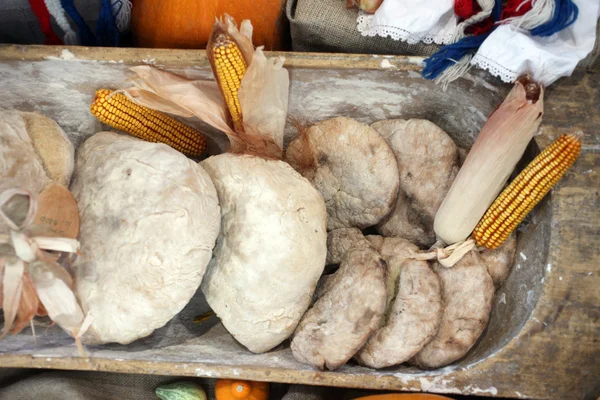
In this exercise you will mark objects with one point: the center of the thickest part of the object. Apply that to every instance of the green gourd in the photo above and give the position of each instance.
(180, 391)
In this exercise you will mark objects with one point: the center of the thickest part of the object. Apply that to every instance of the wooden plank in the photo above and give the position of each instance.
(542, 344)
(198, 58)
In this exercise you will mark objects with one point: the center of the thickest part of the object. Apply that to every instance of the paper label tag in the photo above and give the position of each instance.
(57, 211)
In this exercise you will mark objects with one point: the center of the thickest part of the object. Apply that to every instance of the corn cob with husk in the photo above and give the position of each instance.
(525, 191)
(117, 111)
(248, 102)
(249, 84)
(229, 67)
(493, 157)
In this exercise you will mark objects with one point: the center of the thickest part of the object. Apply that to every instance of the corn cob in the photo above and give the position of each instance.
(528, 188)
(493, 157)
(230, 67)
(117, 111)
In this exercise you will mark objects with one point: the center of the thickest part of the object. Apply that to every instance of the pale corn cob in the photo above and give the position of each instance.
(117, 111)
(493, 157)
(230, 67)
(528, 188)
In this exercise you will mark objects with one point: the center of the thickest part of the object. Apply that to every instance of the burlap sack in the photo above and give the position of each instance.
(327, 26)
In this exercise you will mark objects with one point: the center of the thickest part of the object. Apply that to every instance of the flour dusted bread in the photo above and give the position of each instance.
(352, 167)
(149, 221)
(427, 163)
(412, 319)
(52, 146)
(271, 250)
(500, 261)
(340, 241)
(394, 250)
(468, 291)
(346, 313)
(34, 150)
(414, 306)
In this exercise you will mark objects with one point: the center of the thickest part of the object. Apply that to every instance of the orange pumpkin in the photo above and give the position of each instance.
(229, 389)
(186, 24)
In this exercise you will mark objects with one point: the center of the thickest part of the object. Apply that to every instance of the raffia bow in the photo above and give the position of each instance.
(447, 256)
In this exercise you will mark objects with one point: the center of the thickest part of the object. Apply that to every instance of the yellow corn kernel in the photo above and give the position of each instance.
(230, 67)
(528, 188)
(117, 111)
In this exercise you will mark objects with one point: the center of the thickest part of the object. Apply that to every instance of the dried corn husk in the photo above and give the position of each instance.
(173, 94)
(13, 286)
(30, 275)
(28, 306)
(266, 83)
(490, 162)
(263, 96)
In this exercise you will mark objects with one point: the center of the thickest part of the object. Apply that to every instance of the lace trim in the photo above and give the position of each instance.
(365, 27)
(507, 75)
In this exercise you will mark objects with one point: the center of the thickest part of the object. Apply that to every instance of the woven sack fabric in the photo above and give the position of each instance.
(327, 26)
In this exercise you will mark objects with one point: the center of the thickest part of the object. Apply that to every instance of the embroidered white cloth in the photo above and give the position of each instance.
(411, 21)
(509, 53)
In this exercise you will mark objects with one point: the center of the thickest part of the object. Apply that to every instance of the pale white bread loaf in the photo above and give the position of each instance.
(149, 221)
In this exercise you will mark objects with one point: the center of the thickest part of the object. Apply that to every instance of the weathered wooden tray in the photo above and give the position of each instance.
(542, 340)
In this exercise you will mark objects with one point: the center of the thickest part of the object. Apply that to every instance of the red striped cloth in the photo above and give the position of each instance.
(43, 16)
(467, 8)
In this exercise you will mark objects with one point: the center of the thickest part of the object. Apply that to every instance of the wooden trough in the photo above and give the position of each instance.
(542, 339)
